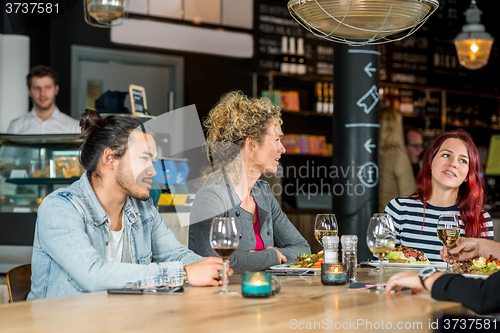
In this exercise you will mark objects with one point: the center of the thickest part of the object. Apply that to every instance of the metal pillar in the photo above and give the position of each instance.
(355, 140)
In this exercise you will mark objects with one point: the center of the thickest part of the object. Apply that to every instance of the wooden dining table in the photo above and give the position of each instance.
(304, 303)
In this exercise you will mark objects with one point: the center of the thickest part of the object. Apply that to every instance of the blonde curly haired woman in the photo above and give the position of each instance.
(243, 142)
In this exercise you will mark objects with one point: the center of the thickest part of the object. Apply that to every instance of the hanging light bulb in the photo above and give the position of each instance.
(104, 13)
(362, 22)
(473, 44)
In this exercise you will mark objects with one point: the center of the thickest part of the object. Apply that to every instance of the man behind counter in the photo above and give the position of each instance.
(45, 117)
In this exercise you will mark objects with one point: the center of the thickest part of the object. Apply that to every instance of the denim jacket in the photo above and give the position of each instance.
(71, 235)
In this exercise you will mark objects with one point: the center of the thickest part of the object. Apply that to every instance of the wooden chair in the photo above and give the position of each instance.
(19, 283)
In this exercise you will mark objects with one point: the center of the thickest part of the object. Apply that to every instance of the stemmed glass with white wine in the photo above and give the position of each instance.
(224, 239)
(325, 225)
(448, 232)
(381, 239)
(385, 216)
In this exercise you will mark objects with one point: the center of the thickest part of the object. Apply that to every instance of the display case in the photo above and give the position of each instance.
(31, 167)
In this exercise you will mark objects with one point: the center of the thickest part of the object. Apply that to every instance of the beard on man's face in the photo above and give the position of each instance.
(131, 187)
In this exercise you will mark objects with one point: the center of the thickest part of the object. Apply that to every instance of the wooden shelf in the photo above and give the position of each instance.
(304, 77)
(304, 113)
(428, 116)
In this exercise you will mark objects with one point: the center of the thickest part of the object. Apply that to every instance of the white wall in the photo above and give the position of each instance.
(14, 66)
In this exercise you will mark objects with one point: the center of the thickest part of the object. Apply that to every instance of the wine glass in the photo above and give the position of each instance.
(325, 225)
(381, 239)
(224, 239)
(448, 232)
(385, 216)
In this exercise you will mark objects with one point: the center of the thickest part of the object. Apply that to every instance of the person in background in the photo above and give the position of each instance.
(414, 147)
(45, 117)
(480, 295)
(449, 183)
(103, 231)
(244, 141)
(395, 170)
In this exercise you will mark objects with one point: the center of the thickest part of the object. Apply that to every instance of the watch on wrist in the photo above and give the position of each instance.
(184, 274)
(425, 273)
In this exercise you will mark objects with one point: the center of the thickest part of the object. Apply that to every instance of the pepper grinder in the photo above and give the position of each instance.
(349, 256)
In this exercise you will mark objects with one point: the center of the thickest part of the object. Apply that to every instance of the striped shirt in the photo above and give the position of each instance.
(408, 217)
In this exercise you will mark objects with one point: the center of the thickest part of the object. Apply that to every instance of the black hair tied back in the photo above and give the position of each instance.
(88, 122)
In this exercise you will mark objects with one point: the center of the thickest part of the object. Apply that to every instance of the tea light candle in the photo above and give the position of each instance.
(257, 286)
(333, 274)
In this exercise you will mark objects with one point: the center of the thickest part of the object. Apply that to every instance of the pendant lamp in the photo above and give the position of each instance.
(104, 13)
(362, 22)
(473, 44)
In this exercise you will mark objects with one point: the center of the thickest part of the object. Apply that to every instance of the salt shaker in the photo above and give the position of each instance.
(349, 256)
(330, 249)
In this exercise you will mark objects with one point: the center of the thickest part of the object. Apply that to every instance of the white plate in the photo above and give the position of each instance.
(476, 276)
(286, 267)
(438, 265)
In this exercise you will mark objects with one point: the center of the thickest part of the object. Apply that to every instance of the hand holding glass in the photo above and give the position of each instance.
(224, 239)
(381, 239)
(448, 231)
(325, 225)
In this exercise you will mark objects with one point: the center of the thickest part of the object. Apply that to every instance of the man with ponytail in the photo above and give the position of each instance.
(103, 231)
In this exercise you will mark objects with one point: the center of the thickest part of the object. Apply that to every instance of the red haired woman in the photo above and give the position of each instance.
(449, 182)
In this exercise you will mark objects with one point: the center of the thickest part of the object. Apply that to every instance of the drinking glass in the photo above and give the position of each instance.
(325, 225)
(448, 232)
(381, 239)
(224, 239)
(385, 216)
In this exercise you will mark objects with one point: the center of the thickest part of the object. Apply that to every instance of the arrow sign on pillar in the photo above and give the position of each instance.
(369, 145)
(369, 69)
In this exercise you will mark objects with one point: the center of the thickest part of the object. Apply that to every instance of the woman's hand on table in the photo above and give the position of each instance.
(206, 272)
(281, 258)
(410, 280)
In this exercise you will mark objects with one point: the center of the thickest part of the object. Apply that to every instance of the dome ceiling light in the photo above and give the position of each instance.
(362, 22)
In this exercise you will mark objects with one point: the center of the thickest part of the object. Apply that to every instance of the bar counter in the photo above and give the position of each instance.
(303, 303)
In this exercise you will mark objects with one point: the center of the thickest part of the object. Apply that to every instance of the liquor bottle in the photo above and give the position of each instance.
(293, 56)
(301, 60)
(285, 60)
(319, 95)
(326, 100)
(330, 104)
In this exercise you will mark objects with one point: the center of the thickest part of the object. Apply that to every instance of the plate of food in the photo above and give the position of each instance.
(477, 267)
(438, 265)
(407, 257)
(304, 262)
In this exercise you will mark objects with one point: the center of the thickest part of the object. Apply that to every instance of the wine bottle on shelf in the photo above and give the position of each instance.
(319, 95)
(330, 104)
(301, 61)
(326, 100)
(293, 56)
(285, 60)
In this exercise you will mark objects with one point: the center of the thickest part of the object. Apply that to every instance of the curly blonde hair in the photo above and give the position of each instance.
(235, 118)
